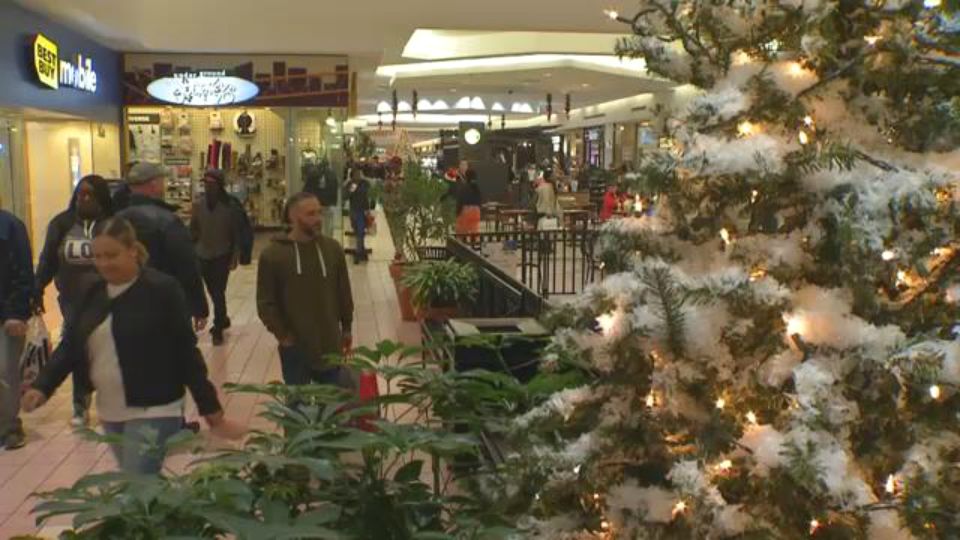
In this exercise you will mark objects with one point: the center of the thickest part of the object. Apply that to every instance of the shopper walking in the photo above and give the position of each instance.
(16, 291)
(469, 200)
(304, 297)
(217, 227)
(67, 261)
(358, 193)
(547, 205)
(132, 340)
(165, 236)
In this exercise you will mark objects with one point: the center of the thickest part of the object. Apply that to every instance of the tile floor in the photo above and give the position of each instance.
(56, 457)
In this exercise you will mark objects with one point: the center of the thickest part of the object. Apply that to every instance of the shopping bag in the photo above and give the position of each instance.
(369, 391)
(548, 223)
(36, 352)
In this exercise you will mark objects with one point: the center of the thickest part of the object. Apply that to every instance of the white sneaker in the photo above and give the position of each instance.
(80, 421)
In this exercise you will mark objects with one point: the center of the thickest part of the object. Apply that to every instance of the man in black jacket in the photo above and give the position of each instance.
(16, 291)
(166, 237)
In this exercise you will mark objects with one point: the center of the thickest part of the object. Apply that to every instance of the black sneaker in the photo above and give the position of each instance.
(15, 439)
(218, 338)
(226, 325)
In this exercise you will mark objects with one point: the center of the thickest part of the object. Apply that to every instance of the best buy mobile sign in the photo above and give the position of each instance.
(55, 72)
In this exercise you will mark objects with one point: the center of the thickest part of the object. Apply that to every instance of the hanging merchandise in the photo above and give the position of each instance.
(245, 124)
(183, 121)
(226, 156)
(185, 145)
(213, 154)
(216, 121)
(166, 118)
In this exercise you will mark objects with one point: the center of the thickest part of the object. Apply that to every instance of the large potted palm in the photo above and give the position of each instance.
(439, 288)
(419, 215)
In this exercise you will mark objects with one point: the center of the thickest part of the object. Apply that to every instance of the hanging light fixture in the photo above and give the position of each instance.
(566, 106)
(477, 104)
(497, 107)
(503, 121)
(395, 108)
(549, 106)
(462, 103)
(415, 103)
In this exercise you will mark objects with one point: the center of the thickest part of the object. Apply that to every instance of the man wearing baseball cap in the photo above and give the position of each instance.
(165, 235)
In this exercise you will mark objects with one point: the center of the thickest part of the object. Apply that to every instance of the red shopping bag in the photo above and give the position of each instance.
(369, 391)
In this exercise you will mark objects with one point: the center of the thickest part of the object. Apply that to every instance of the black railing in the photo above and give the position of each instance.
(551, 263)
(498, 294)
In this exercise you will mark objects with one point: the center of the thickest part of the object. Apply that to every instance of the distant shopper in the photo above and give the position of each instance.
(358, 193)
(131, 338)
(165, 236)
(217, 225)
(304, 297)
(611, 202)
(322, 182)
(16, 291)
(547, 205)
(67, 260)
(469, 200)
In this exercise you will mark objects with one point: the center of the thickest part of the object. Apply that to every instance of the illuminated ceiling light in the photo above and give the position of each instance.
(403, 106)
(440, 105)
(424, 105)
(383, 107)
(463, 103)
(613, 14)
(522, 108)
(497, 107)
(477, 104)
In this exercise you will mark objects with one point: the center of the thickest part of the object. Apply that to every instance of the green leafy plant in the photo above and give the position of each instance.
(418, 212)
(441, 283)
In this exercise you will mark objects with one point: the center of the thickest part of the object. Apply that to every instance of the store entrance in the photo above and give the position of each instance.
(13, 189)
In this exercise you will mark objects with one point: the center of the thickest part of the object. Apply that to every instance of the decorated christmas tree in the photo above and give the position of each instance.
(773, 352)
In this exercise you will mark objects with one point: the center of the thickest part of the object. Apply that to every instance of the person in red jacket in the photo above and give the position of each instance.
(611, 201)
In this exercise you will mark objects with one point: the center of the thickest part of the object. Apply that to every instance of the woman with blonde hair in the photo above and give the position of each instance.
(133, 342)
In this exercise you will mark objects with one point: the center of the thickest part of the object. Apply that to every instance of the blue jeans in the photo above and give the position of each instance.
(358, 220)
(297, 369)
(81, 394)
(10, 350)
(140, 452)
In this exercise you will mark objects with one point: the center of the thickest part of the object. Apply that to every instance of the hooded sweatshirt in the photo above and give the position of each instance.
(303, 292)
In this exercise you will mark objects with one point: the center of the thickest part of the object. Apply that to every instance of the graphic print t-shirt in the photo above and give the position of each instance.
(76, 260)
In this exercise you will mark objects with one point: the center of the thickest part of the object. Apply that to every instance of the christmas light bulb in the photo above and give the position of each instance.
(638, 204)
(888, 255)
(741, 58)
(808, 121)
(935, 392)
(901, 277)
(804, 138)
(796, 325)
(752, 417)
(651, 400)
(607, 322)
(725, 465)
(605, 525)
(891, 484)
(725, 236)
(746, 128)
(814, 527)
(871, 40)
(721, 403)
(679, 508)
(596, 496)
(754, 195)
(576, 470)
(796, 70)
(757, 274)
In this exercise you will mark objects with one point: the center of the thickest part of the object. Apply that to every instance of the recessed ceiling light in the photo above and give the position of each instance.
(403, 106)
(585, 85)
(477, 104)
(548, 75)
(383, 107)
(498, 107)
(453, 90)
(440, 105)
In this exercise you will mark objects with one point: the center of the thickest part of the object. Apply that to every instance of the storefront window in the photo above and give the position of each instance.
(13, 186)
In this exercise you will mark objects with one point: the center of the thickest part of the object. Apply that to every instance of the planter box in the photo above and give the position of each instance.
(517, 345)
(404, 297)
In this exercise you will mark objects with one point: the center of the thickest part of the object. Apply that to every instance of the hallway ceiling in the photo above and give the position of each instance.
(370, 32)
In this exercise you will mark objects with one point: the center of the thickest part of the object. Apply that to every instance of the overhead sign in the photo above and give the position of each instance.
(203, 89)
(55, 72)
(472, 136)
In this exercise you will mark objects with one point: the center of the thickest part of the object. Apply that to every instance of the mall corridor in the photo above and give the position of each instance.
(55, 457)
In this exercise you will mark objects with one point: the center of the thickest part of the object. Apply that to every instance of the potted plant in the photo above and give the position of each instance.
(439, 287)
(419, 215)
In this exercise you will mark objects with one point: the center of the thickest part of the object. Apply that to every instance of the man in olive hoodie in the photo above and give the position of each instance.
(304, 296)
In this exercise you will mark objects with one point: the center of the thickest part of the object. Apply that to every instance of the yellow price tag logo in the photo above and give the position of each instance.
(46, 61)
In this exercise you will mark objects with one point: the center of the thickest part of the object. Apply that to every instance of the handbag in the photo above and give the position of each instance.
(548, 223)
(36, 352)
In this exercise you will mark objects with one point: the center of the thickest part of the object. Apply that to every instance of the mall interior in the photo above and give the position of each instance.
(612, 269)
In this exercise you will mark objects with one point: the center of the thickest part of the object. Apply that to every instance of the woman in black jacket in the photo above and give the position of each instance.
(67, 260)
(132, 341)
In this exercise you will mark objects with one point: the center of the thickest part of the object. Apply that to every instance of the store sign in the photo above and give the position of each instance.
(203, 89)
(54, 72)
(143, 119)
(472, 136)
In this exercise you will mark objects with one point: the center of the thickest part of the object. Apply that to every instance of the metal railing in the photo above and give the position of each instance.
(551, 263)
